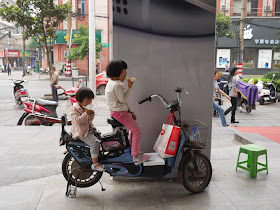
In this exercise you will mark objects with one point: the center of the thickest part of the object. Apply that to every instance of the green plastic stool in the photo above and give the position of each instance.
(253, 152)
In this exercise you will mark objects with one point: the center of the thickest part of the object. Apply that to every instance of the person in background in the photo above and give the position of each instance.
(227, 66)
(216, 107)
(232, 86)
(54, 82)
(9, 68)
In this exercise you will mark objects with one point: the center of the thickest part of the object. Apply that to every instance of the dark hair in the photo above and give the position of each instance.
(115, 68)
(84, 92)
(231, 73)
(215, 72)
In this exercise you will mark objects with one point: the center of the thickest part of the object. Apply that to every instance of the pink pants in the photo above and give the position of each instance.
(125, 118)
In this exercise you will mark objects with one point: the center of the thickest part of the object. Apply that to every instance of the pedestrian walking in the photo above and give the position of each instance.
(54, 82)
(227, 67)
(232, 87)
(216, 107)
(9, 67)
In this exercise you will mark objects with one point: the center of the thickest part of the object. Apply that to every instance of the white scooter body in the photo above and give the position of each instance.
(265, 94)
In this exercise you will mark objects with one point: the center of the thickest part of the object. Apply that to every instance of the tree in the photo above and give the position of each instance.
(38, 18)
(32, 44)
(223, 28)
(82, 50)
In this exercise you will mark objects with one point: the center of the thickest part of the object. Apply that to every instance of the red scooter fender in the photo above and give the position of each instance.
(37, 108)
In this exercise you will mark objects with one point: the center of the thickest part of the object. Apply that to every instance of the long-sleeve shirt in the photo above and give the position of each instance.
(232, 86)
(116, 96)
(80, 121)
(54, 79)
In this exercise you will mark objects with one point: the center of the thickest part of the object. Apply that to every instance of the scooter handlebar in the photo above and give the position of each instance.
(149, 98)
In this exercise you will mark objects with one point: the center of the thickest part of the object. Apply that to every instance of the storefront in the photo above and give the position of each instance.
(30, 57)
(260, 40)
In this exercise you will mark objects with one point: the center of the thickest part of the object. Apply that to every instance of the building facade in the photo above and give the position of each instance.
(80, 16)
(262, 24)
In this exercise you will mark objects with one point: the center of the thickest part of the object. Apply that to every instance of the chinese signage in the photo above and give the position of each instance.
(266, 41)
(29, 53)
(2, 54)
(62, 36)
(13, 53)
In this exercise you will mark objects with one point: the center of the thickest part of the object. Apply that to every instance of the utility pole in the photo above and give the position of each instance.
(92, 48)
(110, 5)
(69, 36)
(23, 52)
(242, 26)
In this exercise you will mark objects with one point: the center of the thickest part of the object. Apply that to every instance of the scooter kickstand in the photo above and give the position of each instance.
(71, 190)
(102, 189)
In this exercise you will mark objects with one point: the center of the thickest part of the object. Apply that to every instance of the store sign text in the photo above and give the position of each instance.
(266, 41)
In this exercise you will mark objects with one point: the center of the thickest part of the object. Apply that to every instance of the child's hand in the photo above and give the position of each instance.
(129, 83)
(89, 111)
(92, 126)
(133, 115)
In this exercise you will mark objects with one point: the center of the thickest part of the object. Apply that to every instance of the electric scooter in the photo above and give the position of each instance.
(20, 93)
(267, 91)
(189, 164)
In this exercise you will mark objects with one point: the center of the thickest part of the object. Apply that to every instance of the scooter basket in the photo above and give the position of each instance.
(197, 133)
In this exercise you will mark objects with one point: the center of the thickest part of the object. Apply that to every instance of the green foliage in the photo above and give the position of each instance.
(37, 17)
(32, 44)
(82, 49)
(267, 78)
(269, 75)
(223, 24)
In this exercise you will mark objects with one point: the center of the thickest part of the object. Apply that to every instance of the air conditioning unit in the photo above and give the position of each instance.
(224, 8)
(267, 8)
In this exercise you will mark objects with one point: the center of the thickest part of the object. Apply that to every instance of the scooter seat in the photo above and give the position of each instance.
(46, 102)
(112, 121)
(77, 142)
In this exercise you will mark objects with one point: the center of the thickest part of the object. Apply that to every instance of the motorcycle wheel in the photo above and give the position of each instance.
(196, 179)
(101, 90)
(261, 101)
(86, 177)
(31, 120)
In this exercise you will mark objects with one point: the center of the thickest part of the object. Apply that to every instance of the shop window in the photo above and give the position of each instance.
(249, 58)
(277, 8)
(252, 7)
(276, 60)
(81, 7)
(237, 5)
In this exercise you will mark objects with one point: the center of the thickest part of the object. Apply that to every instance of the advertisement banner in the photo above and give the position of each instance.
(265, 57)
(2, 54)
(13, 53)
(223, 55)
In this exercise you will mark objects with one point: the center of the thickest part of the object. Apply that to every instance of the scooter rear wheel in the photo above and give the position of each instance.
(197, 173)
(85, 177)
(31, 120)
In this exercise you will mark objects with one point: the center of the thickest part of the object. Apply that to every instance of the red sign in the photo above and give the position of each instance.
(2, 54)
(13, 53)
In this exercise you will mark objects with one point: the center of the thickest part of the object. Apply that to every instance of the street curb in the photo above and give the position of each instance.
(241, 139)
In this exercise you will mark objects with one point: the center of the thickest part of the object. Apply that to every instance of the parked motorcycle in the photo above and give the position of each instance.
(62, 70)
(44, 71)
(70, 92)
(29, 70)
(20, 93)
(39, 112)
(267, 91)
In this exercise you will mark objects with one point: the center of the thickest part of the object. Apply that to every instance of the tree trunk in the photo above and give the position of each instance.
(48, 59)
(23, 53)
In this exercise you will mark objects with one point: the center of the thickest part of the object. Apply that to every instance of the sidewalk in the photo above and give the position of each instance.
(31, 176)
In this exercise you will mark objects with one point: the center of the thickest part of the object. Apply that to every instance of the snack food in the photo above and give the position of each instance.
(132, 79)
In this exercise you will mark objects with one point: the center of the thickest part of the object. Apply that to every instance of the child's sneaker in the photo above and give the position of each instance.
(141, 159)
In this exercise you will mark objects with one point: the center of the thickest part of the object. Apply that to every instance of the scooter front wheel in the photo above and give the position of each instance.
(72, 170)
(197, 173)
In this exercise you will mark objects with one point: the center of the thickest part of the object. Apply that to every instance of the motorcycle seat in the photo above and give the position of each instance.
(112, 121)
(46, 102)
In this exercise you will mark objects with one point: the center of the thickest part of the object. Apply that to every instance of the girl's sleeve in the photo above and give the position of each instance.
(120, 94)
(75, 116)
(91, 117)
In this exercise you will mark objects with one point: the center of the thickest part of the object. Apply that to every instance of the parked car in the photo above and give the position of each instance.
(224, 81)
(101, 82)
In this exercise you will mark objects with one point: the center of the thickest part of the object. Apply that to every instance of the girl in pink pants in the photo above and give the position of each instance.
(116, 99)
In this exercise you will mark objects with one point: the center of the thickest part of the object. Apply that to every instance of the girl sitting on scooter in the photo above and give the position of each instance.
(116, 99)
(82, 126)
